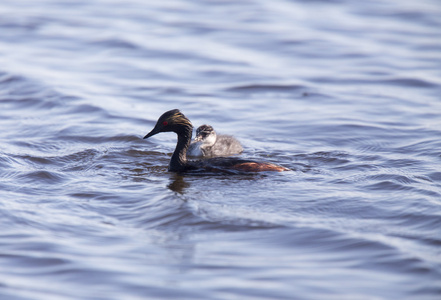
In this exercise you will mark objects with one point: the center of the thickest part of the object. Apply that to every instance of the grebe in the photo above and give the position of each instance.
(175, 121)
(208, 143)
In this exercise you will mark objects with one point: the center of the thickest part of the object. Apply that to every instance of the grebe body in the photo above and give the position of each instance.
(207, 143)
(175, 121)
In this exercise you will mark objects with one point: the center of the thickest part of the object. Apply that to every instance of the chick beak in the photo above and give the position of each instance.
(198, 138)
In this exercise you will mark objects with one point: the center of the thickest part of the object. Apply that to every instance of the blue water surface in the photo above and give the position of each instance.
(345, 93)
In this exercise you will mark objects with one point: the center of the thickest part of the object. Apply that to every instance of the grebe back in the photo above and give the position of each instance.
(207, 143)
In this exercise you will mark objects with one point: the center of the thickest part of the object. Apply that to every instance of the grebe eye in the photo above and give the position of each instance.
(165, 123)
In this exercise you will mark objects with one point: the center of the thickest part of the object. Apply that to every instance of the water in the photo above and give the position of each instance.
(344, 93)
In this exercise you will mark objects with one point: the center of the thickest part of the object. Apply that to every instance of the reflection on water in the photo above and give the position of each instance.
(344, 93)
(178, 184)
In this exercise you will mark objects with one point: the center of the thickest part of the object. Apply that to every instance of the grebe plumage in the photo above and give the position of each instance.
(208, 143)
(175, 121)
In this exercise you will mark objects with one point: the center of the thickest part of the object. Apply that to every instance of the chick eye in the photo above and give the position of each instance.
(165, 123)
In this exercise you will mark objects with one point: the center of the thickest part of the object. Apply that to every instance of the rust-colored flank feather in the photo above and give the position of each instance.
(258, 167)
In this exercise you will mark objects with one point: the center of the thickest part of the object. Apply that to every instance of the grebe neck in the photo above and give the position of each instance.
(178, 161)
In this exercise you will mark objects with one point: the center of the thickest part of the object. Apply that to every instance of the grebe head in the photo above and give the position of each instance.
(206, 134)
(172, 120)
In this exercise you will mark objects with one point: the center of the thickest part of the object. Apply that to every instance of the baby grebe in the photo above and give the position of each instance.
(175, 121)
(208, 143)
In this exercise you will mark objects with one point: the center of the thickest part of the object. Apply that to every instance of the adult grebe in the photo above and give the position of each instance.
(175, 121)
(208, 143)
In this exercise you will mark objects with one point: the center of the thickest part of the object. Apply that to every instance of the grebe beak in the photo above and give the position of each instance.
(151, 133)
